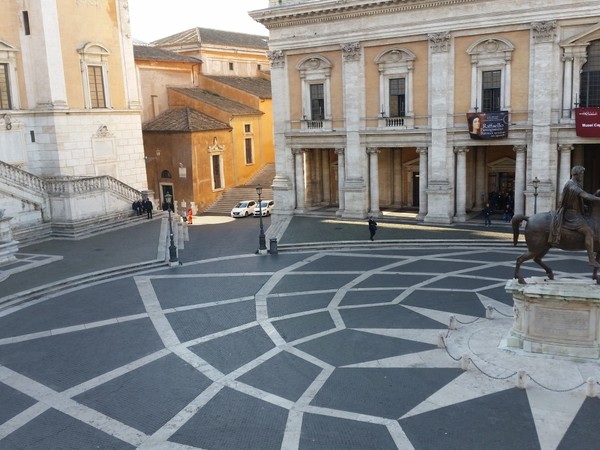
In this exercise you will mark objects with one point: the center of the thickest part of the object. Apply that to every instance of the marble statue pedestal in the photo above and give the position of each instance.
(556, 317)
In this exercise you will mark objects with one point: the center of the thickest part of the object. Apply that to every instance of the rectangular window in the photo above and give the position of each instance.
(490, 90)
(230, 66)
(26, 23)
(397, 97)
(247, 128)
(5, 102)
(96, 82)
(248, 146)
(216, 169)
(317, 102)
(589, 95)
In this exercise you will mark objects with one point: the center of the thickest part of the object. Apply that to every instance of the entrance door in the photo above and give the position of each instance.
(415, 189)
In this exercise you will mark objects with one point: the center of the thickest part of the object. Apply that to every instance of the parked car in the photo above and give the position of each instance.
(243, 209)
(266, 206)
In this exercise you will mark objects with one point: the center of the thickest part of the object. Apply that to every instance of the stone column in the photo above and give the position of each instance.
(129, 69)
(43, 58)
(283, 183)
(422, 151)
(440, 206)
(480, 178)
(565, 167)
(341, 180)
(461, 183)
(355, 189)
(567, 88)
(374, 181)
(543, 156)
(299, 179)
(521, 153)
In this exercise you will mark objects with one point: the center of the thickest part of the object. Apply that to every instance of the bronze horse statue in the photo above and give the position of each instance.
(537, 233)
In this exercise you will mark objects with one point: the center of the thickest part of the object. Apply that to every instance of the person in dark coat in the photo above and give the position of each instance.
(372, 227)
(147, 205)
(487, 215)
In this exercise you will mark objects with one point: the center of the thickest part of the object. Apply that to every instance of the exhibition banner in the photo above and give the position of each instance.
(587, 122)
(488, 125)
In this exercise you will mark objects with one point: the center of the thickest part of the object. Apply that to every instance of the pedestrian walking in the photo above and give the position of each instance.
(189, 216)
(147, 205)
(372, 227)
(487, 215)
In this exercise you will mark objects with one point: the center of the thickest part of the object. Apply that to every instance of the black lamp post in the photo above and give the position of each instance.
(536, 184)
(172, 248)
(262, 245)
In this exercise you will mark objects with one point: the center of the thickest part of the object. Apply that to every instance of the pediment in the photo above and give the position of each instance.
(315, 63)
(584, 38)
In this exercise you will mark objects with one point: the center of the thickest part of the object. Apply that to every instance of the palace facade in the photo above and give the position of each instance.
(435, 106)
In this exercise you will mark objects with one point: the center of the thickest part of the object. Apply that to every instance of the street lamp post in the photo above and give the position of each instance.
(536, 184)
(262, 245)
(172, 249)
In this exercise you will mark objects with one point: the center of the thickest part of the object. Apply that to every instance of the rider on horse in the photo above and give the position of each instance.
(570, 213)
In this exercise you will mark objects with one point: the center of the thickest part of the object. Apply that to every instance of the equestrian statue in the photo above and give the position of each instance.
(574, 226)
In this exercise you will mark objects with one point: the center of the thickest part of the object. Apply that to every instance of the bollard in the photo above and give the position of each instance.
(273, 246)
(489, 312)
(522, 379)
(591, 387)
(452, 323)
(465, 362)
(441, 340)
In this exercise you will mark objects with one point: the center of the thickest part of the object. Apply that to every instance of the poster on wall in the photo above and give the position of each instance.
(587, 122)
(488, 125)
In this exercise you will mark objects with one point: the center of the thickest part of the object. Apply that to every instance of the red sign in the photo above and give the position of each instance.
(587, 122)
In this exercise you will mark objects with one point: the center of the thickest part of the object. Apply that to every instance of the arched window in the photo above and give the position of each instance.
(396, 87)
(94, 67)
(589, 88)
(165, 174)
(8, 81)
(491, 60)
(315, 73)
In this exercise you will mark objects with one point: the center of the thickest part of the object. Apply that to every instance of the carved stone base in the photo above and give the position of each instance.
(556, 317)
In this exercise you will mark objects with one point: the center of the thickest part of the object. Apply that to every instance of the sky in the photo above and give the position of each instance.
(156, 19)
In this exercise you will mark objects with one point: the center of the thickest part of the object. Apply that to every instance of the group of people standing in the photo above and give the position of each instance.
(142, 206)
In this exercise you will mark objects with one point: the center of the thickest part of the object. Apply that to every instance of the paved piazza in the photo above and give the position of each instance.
(301, 350)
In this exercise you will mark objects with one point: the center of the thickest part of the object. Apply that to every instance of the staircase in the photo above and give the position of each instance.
(246, 192)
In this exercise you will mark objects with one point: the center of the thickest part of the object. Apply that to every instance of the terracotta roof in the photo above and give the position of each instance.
(184, 120)
(223, 103)
(208, 36)
(253, 85)
(148, 52)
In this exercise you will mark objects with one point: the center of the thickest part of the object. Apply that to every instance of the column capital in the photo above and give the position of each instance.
(543, 31)
(520, 148)
(297, 151)
(277, 58)
(565, 148)
(340, 151)
(373, 150)
(351, 51)
(439, 42)
(461, 150)
(422, 150)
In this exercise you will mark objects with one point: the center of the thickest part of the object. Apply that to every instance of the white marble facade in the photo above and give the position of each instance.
(359, 159)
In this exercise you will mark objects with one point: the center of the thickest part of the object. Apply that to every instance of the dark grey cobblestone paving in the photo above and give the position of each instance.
(307, 350)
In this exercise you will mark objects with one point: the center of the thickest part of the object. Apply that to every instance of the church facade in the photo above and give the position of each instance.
(433, 106)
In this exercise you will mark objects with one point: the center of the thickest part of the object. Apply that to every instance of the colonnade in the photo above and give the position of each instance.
(523, 188)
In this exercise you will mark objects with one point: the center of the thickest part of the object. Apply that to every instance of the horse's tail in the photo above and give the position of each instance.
(516, 223)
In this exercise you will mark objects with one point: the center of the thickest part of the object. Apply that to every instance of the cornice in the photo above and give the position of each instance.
(309, 13)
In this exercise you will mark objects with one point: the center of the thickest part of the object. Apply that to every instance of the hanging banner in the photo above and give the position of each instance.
(587, 122)
(488, 125)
